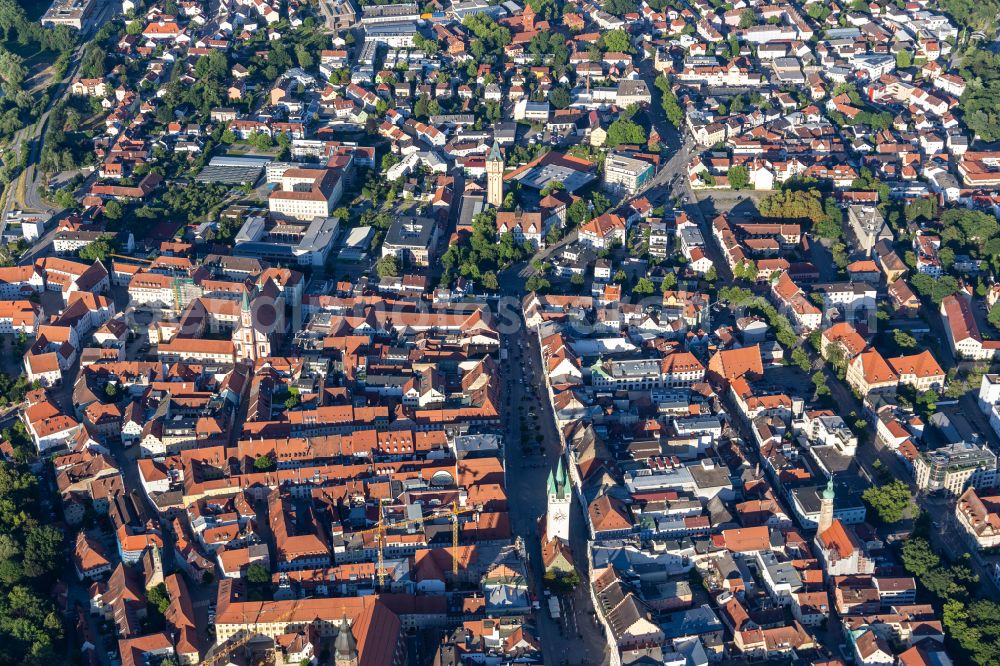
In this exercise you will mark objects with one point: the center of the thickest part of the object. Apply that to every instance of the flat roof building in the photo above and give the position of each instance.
(233, 170)
(626, 174)
(467, 7)
(287, 242)
(73, 13)
(397, 34)
(403, 12)
(355, 245)
(411, 240)
(953, 467)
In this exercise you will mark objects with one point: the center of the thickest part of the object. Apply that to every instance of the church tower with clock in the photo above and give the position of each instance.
(560, 493)
(494, 176)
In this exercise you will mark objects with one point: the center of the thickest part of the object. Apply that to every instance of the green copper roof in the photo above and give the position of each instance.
(495, 154)
(829, 493)
(558, 483)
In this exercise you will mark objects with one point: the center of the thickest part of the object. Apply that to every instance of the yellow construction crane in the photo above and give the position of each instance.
(454, 539)
(128, 258)
(378, 533)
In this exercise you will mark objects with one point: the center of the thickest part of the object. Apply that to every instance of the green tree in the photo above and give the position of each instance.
(947, 257)
(578, 212)
(794, 204)
(819, 381)
(158, 598)
(490, 281)
(889, 501)
(420, 108)
(935, 289)
(113, 210)
(100, 249)
(927, 402)
(941, 582)
(746, 270)
(31, 554)
(491, 38)
(918, 556)
(389, 160)
(263, 463)
(625, 132)
(617, 41)
(644, 287)
(537, 283)
(904, 339)
(620, 7)
(93, 66)
(738, 177)
(994, 315)
(42, 551)
(261, 141)
(671, 105)
(747, 18)
(387, 266)
(258, 574)
(559, 97)
(920, 208)
(600, 203)
(801, 359)
(303, 56)
(831, 226)
(976, 628)
(428, 46)
(12, 69)
(979, 102)
(904, 59)
(561, 583)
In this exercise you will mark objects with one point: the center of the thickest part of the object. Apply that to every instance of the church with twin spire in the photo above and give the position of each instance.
(560, 494)
(556, 553)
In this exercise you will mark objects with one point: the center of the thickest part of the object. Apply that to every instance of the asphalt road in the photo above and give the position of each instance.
(947, 538)
(674, 170)
(575, 638)
(22, 193)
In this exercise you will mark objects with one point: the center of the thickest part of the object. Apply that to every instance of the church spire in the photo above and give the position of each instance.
(528, 18)
(560, 497)
(495, 154)
(345, 646)
(558, 482)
